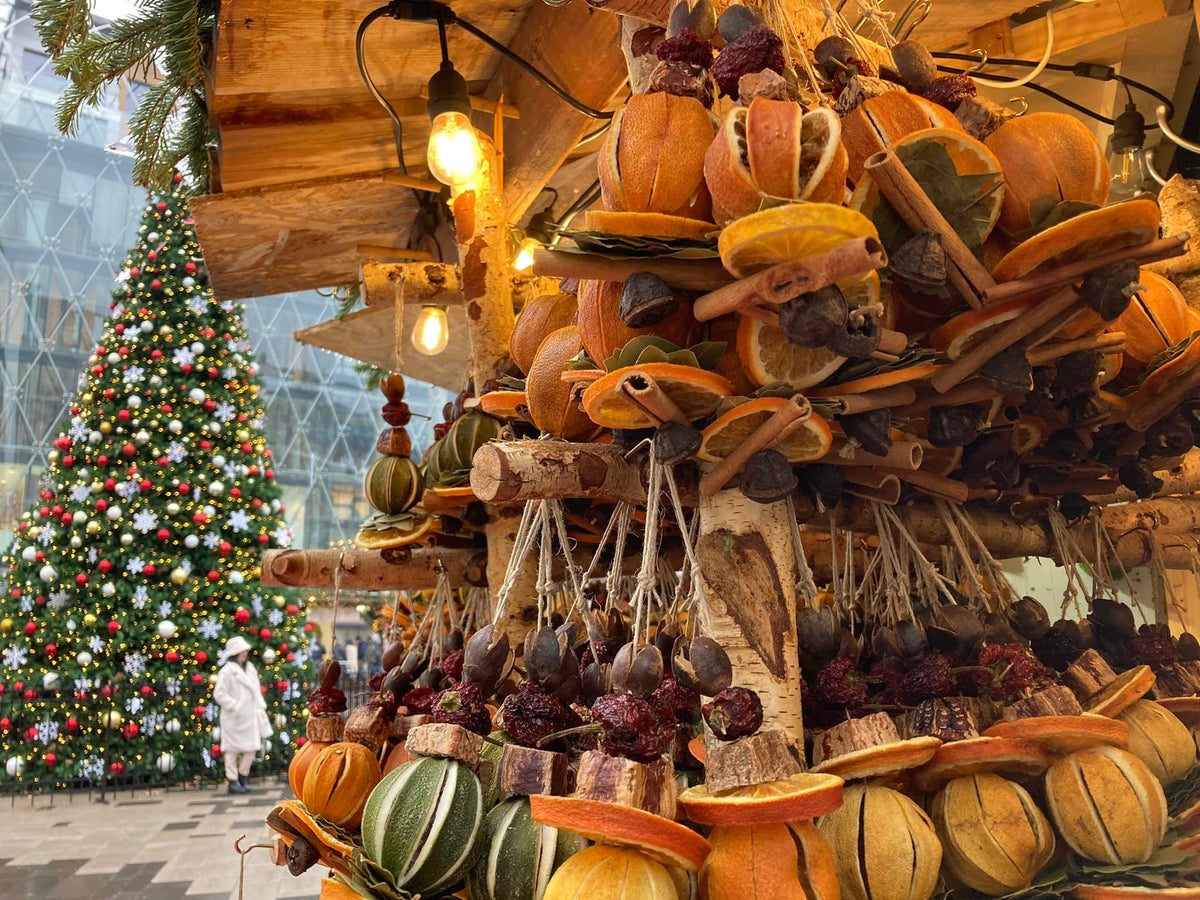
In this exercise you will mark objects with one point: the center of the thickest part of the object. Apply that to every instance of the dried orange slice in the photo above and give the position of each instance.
(1122, 692)
(696, 392)
(506, 405)
(806, 441)
(372, 539)
(974, 756)
(768, 356)
(920, 372)
(1186, 709)
(791, 799)
(783, 233)
(970, 157)
(964, 331)
(1065, 734)
(1104, 230)
(626, 826)
(882, 759)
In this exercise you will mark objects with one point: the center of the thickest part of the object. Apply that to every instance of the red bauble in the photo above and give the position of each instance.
(166, 407)
(265, 634)
(109, 393)
(106, 691)
(247, 448)
(5, 723)
(199, 518)
(51, 759)
(198, 711)
(242, 616)
(190, 267)
(149, 570)
(29, 695)
(163, 534)
(291, 657)
(301, 741)
(163, 462)
(68, 461)
(186, 368)
(102, 460)
(185, 488)
(216, 750)
(201, 657)
(101, 506)
(129, 450)
(72, 723)
(65, 518)
(308, 626)
(114, 626)
(161, 206)
(206, 445)
(147, 690)
(97, 370)
(123, 415)
(224, 548)
(197, 678)
(214, 575)
(81, 579)
(256, 503)
(30, 733)
(152, 255)
(291, 609)
(51, 649)
(235, 492)
(104, 565)
(270, 473)
(18, 685)
(156, 354)
(281, 685)
(171, 656)
(131, 730)
(117, 768)
(30, 627)
(156, 285)
(186, 604)
(145, 484)
(264, 538)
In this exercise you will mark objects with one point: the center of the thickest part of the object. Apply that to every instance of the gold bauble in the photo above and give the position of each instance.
(97, 486)
(243, 434)
(6, 624)
(280, 601)
(89, 619)
(178, 575)
(92, 527)
(106, 427)
(86, 398)
(111, 719)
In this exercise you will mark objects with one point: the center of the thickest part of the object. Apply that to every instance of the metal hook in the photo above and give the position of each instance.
(1024, 104)
(237, 846)
(983, 61)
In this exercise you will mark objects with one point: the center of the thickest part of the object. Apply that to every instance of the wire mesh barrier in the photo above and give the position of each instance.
(183, 771)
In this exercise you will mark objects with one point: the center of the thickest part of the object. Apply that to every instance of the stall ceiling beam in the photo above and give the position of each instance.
(400, 568)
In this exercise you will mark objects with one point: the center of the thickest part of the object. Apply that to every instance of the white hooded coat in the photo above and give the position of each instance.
(244, 723)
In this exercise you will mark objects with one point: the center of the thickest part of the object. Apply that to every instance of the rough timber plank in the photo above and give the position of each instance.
(580, 50)
(369, 335)
(262, 241)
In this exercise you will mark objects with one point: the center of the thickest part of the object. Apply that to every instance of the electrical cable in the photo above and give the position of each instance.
(584, 200)
(1037, 69)
(397, 125)
(1078, 107)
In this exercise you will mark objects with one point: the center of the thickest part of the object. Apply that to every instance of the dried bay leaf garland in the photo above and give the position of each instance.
(649, 348)
(623, 246)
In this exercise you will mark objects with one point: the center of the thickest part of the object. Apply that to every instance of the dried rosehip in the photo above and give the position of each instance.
(734, 713)
(754, 50)
(531, 714)
(632, 728)
(950, 90)
(1153, 646)
(839, 683)
(452, 665)
(462, 704)
(683, 701)
(686, 47)
(931, 677)
(419, 700)
(326, 701)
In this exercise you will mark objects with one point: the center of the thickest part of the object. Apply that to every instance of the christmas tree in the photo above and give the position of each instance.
(137, 565)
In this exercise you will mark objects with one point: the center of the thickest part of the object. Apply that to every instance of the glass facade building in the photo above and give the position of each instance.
(68, 214)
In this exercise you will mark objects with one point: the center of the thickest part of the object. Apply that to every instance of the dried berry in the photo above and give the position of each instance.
(1014, 669)
(1061, 645)
(931, 677)
(1153, 646)
(301, 856)
(632, 728)
(950, 90)
(326, 701)
(683, 701)
(686, 47)
(452, 665)
(462, 704)
(839, 683)
(754, 50)
(531, 714)
(823, 482)
(419, 700)
(734, 713)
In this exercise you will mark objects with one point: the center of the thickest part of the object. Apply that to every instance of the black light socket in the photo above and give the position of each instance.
(1129, 130)
(448, 92)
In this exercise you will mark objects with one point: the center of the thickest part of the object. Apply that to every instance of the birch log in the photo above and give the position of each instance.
(748, 601)
(1180, 203)
(400, 568)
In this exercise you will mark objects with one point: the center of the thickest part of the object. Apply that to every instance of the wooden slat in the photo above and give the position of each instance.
(262, 241)
(580, 50)
(950, 24)
(369, 335)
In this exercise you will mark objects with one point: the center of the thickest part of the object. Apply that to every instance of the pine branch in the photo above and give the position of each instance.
(182, 50)
(155, 157)
(61, 23)
(191, 139)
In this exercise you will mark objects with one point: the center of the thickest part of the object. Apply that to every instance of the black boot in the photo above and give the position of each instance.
(235, 787)
(245, 786)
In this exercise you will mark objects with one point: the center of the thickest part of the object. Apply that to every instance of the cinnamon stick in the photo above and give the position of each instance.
(688, 274)
(901, 455)
(1110, 342)
(936, 485)
(643, 392)
(1061, 276)
(780, 283)
(892, 341)
(901, 190)
(883, 398)
(968, 392)
(1001, 338)
(792, 413)
(887, 493)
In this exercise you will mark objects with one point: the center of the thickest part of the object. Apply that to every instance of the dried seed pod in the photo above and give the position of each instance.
(674, 442)
(767, 477)
(860, 336)
(954, 426)
(545, 652)
(811, 319)
(1009, 371)
(914, 65)
(1076, 373)
(1140, 478)
(998, 630)
(487, 658)
(452, 642)
(646, 300)
(395, 685)
(1113, 617)
(1029, 618)
(1187, 648)
(702, 665)
(818, 634)
(665, 637)
(833, 54)
(737, 19)
(330, 671)
(637, 670)
(920, 261)
(700, 18)
(955, 630)
(393, 655)
(872, 429)
(1108, 290)
(1168, 437)
(596, 681)
(823, 482)
(608, 627)
(431, 678)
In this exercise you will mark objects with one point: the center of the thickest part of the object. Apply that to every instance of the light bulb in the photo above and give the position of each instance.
(523, 261)
(454, 156)
(1130, 176)
(431, 332)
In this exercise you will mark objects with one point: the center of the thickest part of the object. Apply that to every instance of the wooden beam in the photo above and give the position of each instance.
(579, 49)
(400, 568)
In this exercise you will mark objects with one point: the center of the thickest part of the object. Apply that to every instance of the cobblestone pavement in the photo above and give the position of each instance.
(143, 845)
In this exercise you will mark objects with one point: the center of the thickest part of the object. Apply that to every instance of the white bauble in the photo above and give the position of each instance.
(166, 628)
(166, 762)
(29, 554)
(214, 427)
(236, 577)
(155, 381)
(209, 510)
(83, 657)
(276, 506)
(175, 426)
(76, 541)
(253, 368)
(191, 542)
(197, 347)
(188, 281)
(50, 681)
(172, 509)
(216, 488)
(126, 539)
(113, 512)
(218, 461)
(171, 726)
(152, 236)
(147, 326)
(280, 720)
(216, 733)
(108, 589)
(196, 395)
(14, 766)
(113, 358)
(79, 517)
(71, 626)
(94, 437)
(142, 438)
(268, 656)
(48, 573)
(134, 401)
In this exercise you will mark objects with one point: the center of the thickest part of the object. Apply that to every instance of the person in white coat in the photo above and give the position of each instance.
(244, 722)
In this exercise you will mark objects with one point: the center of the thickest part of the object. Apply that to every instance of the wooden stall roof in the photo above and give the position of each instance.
(369, 335)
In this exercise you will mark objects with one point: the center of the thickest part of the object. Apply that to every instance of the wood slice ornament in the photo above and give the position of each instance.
(870, 747)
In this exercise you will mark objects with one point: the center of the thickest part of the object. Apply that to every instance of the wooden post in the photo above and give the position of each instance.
(748, 579)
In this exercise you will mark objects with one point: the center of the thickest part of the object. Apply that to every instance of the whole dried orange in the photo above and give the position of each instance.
(881, 121)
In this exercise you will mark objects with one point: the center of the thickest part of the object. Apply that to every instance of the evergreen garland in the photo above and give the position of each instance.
(162, 45)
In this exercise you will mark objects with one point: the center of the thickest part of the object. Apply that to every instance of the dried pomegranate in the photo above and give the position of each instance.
(950, 90)
(839, 683)
(686, 47)
(419, 700)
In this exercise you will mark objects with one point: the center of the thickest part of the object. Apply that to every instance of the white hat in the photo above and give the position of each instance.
(235, 645)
